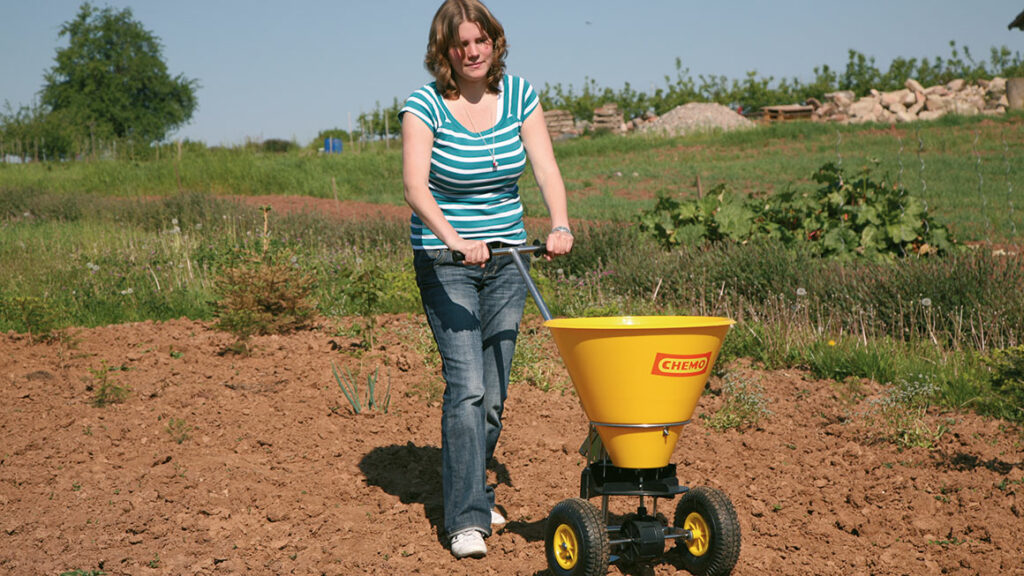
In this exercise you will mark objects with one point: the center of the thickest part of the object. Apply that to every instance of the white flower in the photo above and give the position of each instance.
(801, 292)
(127, 291)
(92, 266)
(926, 302)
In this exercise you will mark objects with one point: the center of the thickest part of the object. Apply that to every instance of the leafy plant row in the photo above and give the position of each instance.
(844, 217)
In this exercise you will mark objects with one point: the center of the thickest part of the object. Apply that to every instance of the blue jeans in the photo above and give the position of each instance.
(474, 314)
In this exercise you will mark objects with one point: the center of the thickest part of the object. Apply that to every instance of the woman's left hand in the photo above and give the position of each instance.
(559, 242)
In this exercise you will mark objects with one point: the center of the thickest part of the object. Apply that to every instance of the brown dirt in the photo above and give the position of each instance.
(347, 210)
(277, 475)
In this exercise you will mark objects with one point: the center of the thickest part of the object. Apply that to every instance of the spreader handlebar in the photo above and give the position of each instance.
(536, 250)
(514, 252)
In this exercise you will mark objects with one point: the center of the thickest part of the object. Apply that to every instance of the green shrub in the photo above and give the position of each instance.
(364, 289)
(35, 316)
(264, 295)
(278, 146)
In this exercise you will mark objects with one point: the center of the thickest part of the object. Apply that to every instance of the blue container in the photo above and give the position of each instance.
(332, 145)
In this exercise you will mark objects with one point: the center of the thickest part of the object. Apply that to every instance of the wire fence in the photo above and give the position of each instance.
(980, 188)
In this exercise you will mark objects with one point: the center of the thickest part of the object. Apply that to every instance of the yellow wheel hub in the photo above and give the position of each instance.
(701, 540)
(567, 547)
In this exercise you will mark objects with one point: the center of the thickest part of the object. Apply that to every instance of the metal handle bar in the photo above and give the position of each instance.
(514, 252)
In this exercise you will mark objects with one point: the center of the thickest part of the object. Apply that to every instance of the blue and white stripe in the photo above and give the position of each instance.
(479, 201)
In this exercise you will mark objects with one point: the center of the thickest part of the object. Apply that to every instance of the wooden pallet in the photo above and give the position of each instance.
(786, 112)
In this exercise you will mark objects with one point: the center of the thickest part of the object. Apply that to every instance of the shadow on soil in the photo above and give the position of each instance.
(413, 474)
(966, 462)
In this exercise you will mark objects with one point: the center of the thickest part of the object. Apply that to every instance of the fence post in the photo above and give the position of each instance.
(1009, 185)
(981, 189)
(1015, 93)
(351, 138)
(177, 165)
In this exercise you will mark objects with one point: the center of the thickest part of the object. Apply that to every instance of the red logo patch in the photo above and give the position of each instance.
(680, 365)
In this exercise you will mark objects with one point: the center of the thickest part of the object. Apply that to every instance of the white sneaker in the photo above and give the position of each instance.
(497, 520)
(469, 544)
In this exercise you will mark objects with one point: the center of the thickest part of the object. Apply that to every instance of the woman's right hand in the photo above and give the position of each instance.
(475, 252)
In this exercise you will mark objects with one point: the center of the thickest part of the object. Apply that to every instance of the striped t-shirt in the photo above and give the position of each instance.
(474, 177)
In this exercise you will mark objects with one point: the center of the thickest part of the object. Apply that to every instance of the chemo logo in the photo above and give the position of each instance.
(680, 365)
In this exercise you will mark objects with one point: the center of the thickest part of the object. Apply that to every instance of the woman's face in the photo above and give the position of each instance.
(471, 59)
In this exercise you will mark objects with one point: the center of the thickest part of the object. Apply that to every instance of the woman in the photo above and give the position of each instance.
(465, 141)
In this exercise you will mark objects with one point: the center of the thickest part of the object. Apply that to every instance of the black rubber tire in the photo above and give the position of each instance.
(723, 547)
(584, 524)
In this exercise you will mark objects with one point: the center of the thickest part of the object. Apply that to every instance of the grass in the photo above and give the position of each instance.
(964, 168)
(94, 243)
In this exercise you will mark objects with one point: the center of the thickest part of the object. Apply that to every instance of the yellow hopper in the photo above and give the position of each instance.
(639, 378)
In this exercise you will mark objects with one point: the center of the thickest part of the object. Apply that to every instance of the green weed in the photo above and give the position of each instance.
(900, 416)
(178, 429)
(744, 406)
(105, 390)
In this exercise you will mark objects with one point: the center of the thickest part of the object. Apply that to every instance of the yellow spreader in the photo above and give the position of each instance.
(638, 379)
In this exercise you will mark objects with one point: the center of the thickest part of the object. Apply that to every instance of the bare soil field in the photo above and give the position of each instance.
(223, 464)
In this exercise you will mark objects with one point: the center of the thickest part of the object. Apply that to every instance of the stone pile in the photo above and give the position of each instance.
(914, 102)
(695, 117)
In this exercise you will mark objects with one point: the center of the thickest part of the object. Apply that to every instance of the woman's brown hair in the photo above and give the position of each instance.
(444, 35)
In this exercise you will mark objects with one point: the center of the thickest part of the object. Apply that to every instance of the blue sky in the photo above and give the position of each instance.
(273, 69)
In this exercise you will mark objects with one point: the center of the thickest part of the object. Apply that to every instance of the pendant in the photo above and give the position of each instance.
(494, 163)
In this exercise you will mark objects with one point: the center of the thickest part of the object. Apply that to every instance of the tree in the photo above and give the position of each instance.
(111, 81)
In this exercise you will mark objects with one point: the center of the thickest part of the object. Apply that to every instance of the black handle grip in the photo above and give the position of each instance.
(537, 249)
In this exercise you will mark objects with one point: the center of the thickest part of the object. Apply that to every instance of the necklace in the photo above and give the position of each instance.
(479, 135)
